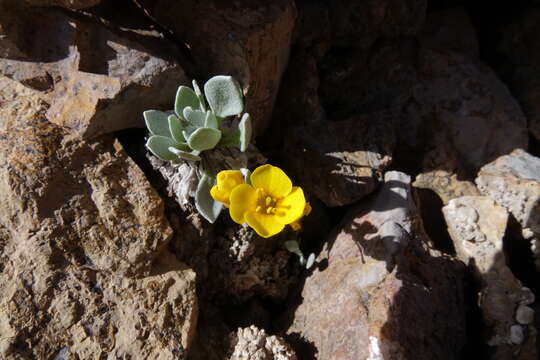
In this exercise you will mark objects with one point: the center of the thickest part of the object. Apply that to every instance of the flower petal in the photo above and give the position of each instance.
(243, 199)
(272, 179)
(219, 195)
(264, 225)
(291, 208)
(227, 180)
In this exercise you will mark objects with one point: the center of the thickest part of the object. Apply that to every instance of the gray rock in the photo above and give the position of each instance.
(346, 158)
(513, 181)
(477, 226)
(517, 334)
(363, 295)
(524, 315)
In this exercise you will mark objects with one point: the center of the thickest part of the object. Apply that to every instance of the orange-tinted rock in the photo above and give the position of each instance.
(98, 78)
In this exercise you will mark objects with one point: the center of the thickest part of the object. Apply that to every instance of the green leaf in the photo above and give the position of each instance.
(292, 246)
(224, 96)
(156, 121)
(205, 204)
(310, 260)
(245, 131)
(211, 121)
(159, 146)
(185, 97)
(200, 95)
(176, 127)
(185, 155)
(230, 138)
(194, 117)
(204, 139)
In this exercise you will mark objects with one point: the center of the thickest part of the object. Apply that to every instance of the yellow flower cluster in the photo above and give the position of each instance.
(267, 205)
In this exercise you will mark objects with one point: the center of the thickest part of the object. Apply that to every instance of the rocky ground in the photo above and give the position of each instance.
(413, 127)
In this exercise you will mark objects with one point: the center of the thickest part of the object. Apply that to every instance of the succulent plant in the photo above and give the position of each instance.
(293, 247)
(196, 125)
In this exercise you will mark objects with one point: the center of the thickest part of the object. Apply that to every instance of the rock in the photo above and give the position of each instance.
(443, 172)
(477, 226)
(247, 39)
(346, 157)
(253, 343)
(78, 312)
(82, 242)
(298, 100)
(516, 335)
(99, 78)
(450, 29)
(440, 93)
(90, 197)
(378, 279)
(520, 62)
(456, 92)
(69, 4)
(513, 181)
(362, 23)
(524, 315)
(446, 185)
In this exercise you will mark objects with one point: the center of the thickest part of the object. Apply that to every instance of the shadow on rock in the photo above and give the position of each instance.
(379, 289)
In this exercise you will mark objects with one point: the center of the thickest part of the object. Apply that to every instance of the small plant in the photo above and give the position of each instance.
(294, 247)
(196, 125)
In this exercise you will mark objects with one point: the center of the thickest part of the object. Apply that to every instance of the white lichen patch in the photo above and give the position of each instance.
(252, 343)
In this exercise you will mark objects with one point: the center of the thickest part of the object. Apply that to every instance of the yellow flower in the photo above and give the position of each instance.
(269, 203)
(227, 180)
(295, 225)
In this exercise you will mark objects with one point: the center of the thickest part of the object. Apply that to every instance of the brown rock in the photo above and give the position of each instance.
(69, 4)
(374, 279)
(446, 185)
(444, 95)
(361, 23)
(443, 172)
(99, 79)
(76, 218)
(67, 311)
(345, 158)
(521, 62)
(247, 39)
(458, 93)
(90, 196)
(477, 226)
(450, 29)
